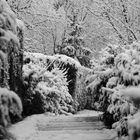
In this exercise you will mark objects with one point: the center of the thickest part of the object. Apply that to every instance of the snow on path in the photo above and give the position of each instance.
(81, 126)
(72, 135)
(88, 113)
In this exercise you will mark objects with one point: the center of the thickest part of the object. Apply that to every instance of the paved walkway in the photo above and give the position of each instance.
(83, 126)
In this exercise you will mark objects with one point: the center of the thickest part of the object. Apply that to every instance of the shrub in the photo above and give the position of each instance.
(46, 88)
(10, 110)
(116, 70)
(10, 70)
(11, 106)
(10, 49)
(133, 122)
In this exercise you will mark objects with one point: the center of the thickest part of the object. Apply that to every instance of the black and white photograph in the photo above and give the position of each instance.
(69, 69)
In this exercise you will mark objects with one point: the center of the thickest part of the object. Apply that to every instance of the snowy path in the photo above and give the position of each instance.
(83, 126)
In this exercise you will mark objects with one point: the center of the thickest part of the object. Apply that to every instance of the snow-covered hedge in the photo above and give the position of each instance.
(10, 49)
(69, 78)
(46, 59)
(117, 69)
(46, 88)
(10, 69)
(10, 106)
(10, 110)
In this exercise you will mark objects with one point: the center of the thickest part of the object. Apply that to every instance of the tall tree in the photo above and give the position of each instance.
(121, 15)
(73, 43)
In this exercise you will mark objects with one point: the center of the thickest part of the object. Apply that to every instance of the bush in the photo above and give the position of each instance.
(10, 50)
(10, 110)
(10, 70)
(46, 89)
(117, 69)
(11, 106)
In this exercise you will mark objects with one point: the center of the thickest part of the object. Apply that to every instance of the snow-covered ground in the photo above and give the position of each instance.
(88, 113)
(73, 135)
(75, 127)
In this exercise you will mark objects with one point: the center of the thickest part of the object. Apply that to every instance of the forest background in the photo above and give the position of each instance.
(99, 22)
